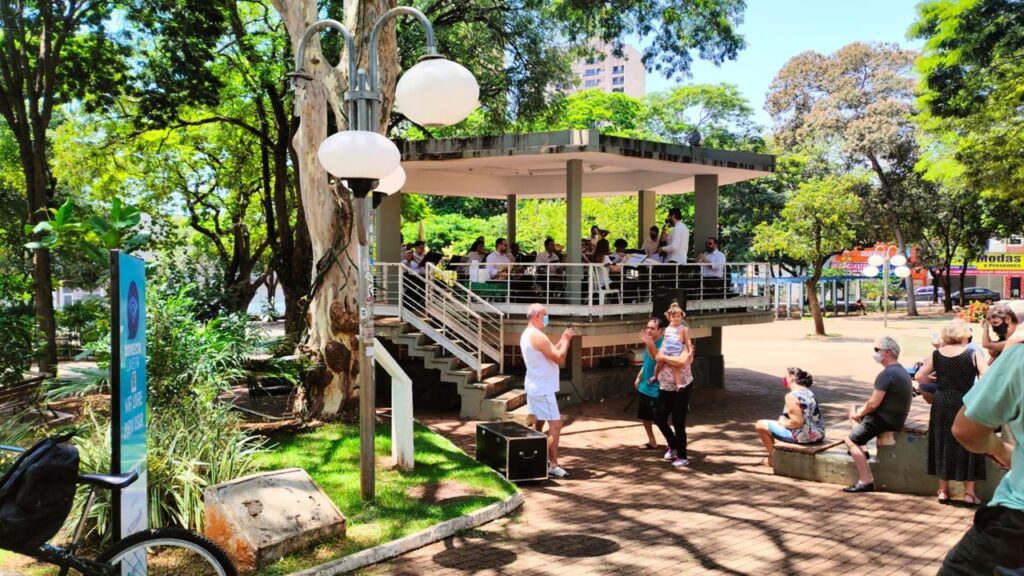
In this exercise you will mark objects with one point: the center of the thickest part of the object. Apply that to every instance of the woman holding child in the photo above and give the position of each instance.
(800, 423)
(674, 385)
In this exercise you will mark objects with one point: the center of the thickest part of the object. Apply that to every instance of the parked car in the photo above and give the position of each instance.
(925, 293)
(977, 295)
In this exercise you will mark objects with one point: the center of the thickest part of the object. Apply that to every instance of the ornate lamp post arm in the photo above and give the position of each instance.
(439, 93)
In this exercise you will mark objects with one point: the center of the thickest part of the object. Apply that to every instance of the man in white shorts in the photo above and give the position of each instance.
(542, 360)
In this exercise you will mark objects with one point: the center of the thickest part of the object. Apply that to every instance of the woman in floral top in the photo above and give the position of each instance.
(801, 423)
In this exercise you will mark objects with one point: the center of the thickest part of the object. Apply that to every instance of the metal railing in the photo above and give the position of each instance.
(602, 290)
(462, 323)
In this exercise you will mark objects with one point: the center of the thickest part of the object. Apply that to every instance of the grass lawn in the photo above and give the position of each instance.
(330, 454)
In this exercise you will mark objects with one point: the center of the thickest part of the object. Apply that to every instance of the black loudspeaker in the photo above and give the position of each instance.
(663, 297)
(513, 450)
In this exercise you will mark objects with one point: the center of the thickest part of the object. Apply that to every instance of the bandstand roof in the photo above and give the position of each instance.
(534, 165)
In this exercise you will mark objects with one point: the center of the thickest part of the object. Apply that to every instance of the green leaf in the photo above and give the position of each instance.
(99, 225)
(137, 241)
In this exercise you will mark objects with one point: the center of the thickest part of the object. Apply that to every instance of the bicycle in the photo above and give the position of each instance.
(153, 552)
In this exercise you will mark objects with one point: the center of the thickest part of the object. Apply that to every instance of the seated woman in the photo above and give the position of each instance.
(801, 423)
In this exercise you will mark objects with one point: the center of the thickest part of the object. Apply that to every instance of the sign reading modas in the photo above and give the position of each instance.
(128, 389)
(994, 263)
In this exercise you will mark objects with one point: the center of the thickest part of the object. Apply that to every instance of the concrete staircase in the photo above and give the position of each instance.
(489, 396)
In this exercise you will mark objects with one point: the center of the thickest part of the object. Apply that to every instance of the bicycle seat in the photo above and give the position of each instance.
(108, 481)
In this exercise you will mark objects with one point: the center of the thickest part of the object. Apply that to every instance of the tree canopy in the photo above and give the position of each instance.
(972, 70)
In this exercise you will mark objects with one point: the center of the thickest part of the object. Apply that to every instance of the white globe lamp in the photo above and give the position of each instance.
(358, 154)
(902, 271)
(437, 92)
(876, 260)
(870, 271)
(392, 182)
(898, 260)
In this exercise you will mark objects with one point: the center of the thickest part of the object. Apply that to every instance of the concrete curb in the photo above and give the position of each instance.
(413, 541)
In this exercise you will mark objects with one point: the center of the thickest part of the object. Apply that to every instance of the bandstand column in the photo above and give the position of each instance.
(708, 351)
(510, 218)
(647, 202)
(389, 226)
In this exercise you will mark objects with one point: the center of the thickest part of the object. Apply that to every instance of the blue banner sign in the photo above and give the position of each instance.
(128, 389)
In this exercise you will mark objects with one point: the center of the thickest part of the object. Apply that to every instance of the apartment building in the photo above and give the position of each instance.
(612, 74)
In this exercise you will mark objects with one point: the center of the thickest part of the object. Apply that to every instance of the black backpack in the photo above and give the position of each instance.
(36, 494)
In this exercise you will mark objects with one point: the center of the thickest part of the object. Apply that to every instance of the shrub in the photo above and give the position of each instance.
(192, 445)
(89, 319)
(190, 357)
(17, 328)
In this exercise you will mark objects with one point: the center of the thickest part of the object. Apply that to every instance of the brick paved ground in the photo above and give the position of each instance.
(628, 512)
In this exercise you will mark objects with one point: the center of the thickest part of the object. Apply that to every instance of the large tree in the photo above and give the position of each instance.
(854, 108)
(972, 69)
(677, 29)
(814, 226)
(51, 52)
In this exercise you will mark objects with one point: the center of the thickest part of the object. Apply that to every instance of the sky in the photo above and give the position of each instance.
(777, 30)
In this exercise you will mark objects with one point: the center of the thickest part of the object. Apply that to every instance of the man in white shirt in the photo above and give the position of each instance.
(415, 257)
(714, 258)
(548, 255)
(679, 241)
(498, 261)
(653, 243)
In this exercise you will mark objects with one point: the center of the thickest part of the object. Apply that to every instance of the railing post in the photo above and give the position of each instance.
(401, 291)
(479, 350)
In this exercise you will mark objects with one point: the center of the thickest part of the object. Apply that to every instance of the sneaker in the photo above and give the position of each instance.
(860, 487)
(670, 455)
(680, 463)
(558, 473)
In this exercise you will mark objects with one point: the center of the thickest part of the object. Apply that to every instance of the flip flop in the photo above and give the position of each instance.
(974, 502)
(648, 446)
(943, 497)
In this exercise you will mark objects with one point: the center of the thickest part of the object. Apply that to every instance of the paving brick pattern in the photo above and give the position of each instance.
(629, 512)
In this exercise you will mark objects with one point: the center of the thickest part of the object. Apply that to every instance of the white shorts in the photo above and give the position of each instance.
(543, 406)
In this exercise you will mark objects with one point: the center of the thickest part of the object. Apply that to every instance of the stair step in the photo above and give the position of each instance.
(493, 386)
(512, 399)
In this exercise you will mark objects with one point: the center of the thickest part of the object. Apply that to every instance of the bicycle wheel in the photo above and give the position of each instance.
(167, 551)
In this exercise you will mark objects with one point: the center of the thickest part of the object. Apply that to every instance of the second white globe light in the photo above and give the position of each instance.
(437, 92)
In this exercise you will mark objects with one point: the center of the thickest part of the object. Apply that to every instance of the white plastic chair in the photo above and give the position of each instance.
(600, 284)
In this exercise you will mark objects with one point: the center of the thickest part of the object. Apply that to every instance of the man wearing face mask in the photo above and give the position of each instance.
(1003, 321)
(886, 410)
(542, 360)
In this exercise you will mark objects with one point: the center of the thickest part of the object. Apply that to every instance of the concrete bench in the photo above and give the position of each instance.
(809, 449)
(898, 461)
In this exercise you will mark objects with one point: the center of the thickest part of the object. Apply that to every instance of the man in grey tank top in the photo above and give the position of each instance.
(542, 359)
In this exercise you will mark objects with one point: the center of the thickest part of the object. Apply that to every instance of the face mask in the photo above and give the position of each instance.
(546, 319)
(878, 357)
(1001, 330)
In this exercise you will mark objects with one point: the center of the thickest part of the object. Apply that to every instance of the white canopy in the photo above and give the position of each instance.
(534, 165)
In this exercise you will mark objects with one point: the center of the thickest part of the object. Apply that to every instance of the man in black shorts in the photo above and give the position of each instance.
(886, 410)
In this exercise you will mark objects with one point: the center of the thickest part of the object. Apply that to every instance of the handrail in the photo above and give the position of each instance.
(469, 334)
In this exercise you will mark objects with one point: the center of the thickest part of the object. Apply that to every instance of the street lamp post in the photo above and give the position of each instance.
(901, 270)
(434, 92)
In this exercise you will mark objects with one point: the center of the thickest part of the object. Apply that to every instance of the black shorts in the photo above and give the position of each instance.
(994, 540)
(867, 429)
(645, 406)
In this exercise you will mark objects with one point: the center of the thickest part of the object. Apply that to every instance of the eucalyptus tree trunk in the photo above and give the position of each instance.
(333, 316)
